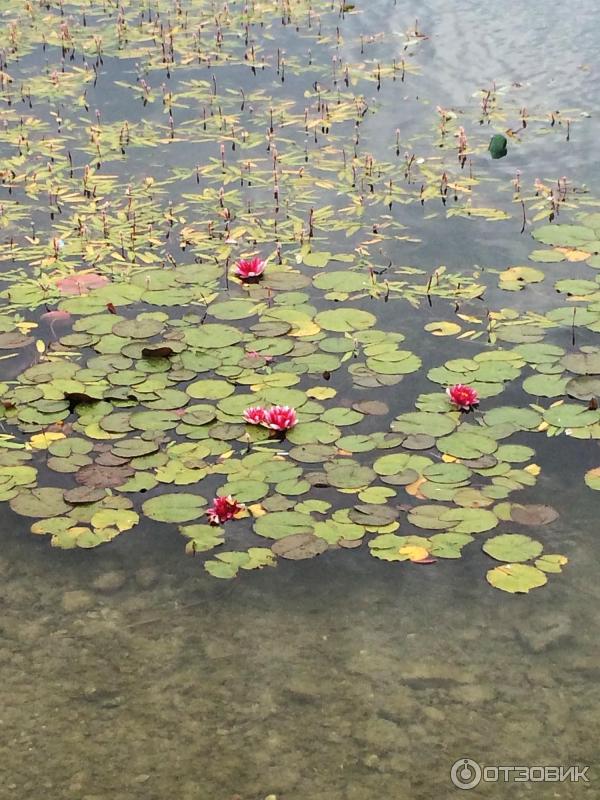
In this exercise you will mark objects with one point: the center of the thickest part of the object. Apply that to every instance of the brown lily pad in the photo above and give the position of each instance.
(373, 515)
(84, 494)
(110, 460)
(8, 341)
(418, 441)
(299, 546)
(533, 514)
(484, 462)
(584, 387)
(373, 407)
(350, 544)
(404, 478)
(317, 479)
(162, 351)
(103, 477)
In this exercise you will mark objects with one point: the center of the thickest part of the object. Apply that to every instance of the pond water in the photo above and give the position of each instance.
(144, 140)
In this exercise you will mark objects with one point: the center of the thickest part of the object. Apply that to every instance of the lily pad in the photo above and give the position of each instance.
(280, 524)
(177, 507)
(516, 578)
(299, 546)
(512, 547)
(42, 502)
(345, 320)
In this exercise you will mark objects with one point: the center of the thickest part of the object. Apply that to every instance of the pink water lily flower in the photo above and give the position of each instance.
(281, 418)
(255, 415)
(464, 397)
(247, 268)
(255, 354)
(81, 283)
(223, 509)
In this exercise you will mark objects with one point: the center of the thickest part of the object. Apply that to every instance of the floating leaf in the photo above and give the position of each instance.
(551, 562)
(592, 478)
(345, 319)
(443, 328)
(532, 514)
(226, 565)
(512, 547)
(349, 476)
(448, 545)
(81, 283)
(14, 340)
(178, 507)
(467, 445)
(283, 523)
(103, 477)
(119, 518)
(42, 502)
(299, 546)
(516, 578)
(202, 537)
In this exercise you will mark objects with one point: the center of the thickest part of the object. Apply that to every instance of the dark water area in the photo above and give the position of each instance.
(128, 672)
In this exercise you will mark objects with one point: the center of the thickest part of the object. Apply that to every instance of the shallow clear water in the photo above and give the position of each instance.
(128, 673)
(333, 679)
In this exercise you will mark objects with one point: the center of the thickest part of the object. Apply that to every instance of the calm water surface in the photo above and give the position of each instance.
(128, 673)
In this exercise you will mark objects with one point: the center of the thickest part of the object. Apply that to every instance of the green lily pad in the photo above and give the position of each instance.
(120, 518)
(448, 545)
(42, 502)
(446, 473)
(279, 524)
(178, 507)
(202, 538)
(564, 235)
(210, 336)
(569, 415)
(516, 578)
(210, 390)
(226, 565)
(470, 520)
(592, 478)
(512, 547)
(467, 445)
(345, 320)
(551, 562)
(545, 385)
(349, 476)
(246, 491)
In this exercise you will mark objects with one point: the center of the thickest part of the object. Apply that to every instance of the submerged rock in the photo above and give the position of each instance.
(545, 632)
(77, 601)
(435, 674)
(474, 694)
(29, 632)
(146, 577)
(382, 735)
(305, 688)
(379, 785)
(109, 581)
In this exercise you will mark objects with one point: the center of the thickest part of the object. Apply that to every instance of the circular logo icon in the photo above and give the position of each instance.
(465, 773)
